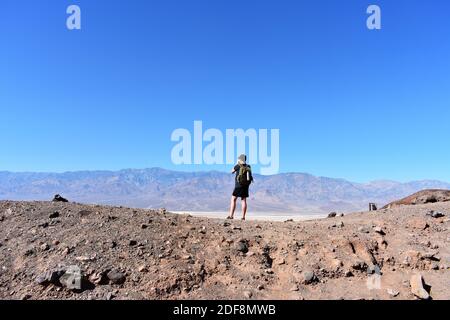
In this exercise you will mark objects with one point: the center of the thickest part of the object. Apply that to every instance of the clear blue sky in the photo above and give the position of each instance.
(349, 102)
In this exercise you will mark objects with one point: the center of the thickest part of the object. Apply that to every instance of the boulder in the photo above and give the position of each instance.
(417, 287)
(242, 246)
(116, 277)
(332, 214)
(50, 277)
(435, 214)
(58, 198)
(309, 277)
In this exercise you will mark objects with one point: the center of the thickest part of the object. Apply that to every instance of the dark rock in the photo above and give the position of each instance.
(144, 226)
(332, 215)
(132, 242)
(242, 246)
(435, 214)
(54, 215)
(29, 252)
(359, 265)
(58, 198)
(25, 297)
(116, 277)
(51, 276)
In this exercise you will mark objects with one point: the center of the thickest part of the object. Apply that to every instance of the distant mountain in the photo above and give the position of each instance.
(207, 191)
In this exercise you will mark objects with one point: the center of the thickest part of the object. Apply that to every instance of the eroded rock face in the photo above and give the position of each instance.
(185, 257)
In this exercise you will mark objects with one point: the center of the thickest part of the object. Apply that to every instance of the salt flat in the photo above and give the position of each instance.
(256, 215)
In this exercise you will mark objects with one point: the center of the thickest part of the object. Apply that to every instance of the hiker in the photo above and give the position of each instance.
(243, 180)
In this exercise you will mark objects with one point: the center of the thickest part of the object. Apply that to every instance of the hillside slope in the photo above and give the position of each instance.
(127, 253)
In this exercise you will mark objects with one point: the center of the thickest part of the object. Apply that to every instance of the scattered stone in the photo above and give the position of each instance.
(294, 288)
(431, 256)
(260, 287)
(99, 278)
(309, 277)
(85, 258)
(44, 247)
(132, 242)
(226, 224)
(363, 229)
(379, 230)
(54, 215)
(348, 273)
(359, 265)
(242, 246)
(109, 296)
(392, 292)
(25, 297)
(289, 220)
(50, 277)
(143, 268)
(417, 287)
(29, 252)
(144, 226)
(248, 294)
(435, 214)
(269, 271)
(332, 215)
(58, 198)
(116, 277)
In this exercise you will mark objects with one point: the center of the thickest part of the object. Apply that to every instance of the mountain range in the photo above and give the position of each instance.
(207, 191)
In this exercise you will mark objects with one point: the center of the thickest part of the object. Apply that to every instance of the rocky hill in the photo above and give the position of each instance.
(422, 197)
(178, 191)
(55, 250)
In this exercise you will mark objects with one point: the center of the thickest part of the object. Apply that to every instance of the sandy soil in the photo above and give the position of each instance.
(127, 253)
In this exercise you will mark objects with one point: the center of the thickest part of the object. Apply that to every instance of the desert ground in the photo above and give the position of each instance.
(401, 252)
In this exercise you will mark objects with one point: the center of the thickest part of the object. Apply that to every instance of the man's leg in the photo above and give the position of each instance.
(232, 206)
(244, 208)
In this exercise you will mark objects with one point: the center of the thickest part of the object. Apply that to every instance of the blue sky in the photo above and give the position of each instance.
(349, 102)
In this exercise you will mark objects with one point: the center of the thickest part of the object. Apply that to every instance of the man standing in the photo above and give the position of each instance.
(243, 180)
